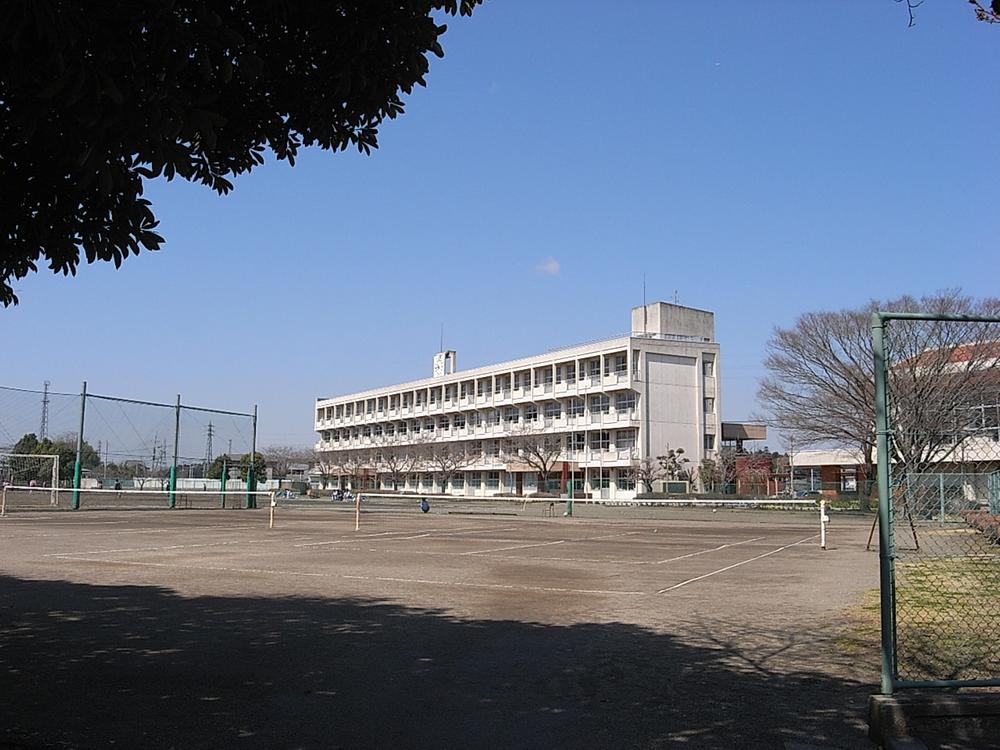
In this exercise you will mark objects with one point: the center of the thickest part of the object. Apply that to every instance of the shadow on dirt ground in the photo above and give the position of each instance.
(141, 667)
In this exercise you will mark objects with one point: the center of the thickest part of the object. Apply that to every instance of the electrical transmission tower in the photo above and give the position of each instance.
(208, 444)
(43, 430)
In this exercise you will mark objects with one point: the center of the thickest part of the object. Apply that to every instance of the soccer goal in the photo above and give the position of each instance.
(30, 470)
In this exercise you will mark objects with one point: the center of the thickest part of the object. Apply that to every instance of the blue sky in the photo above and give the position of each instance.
(760, 164)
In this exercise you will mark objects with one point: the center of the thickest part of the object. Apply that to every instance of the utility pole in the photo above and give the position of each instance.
(43, 430)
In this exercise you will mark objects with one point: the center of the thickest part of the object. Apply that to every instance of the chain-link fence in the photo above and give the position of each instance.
(128, 445)
(938, 423)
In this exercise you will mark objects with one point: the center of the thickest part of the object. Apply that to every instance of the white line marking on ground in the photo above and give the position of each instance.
(518, 546)
(346, 576)
(157, 549)
(706, 551)
(735, 565)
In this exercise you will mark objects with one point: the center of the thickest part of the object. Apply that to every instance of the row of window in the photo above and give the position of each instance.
(522, 379)
(575, 407)
(597, 478)
(574, 441)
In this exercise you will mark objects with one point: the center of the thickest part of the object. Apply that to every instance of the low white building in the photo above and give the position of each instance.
(605, 404)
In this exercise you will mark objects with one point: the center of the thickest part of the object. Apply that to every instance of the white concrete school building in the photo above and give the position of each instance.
(607, 403)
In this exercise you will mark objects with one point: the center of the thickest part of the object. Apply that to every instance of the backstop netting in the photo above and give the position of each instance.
(941, 419)
(131, 445)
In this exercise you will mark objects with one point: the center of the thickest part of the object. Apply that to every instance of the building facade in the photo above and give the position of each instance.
(601, 407)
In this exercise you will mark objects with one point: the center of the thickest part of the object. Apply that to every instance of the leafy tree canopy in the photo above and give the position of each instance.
(64, 447)
(237, 467)
(97, 97)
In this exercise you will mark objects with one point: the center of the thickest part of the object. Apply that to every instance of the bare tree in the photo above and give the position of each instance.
(326, 464)
(396, 462)
(445, 460)
(535, 449)
(717, 472)
(278, 457)
(646, 471)
(820, 385)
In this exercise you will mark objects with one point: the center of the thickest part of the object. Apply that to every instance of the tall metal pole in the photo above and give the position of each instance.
(251, 481)
(173, 467)
(887, 593)
(78, 466)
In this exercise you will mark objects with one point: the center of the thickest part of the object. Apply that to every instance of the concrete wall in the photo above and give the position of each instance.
(675, 320)
(674, 401)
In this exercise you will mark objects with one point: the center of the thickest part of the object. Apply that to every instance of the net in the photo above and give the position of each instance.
(30, 470)
(16, 498)
(383, 509)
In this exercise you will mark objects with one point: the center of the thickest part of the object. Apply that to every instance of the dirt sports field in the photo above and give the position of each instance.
(206, 629)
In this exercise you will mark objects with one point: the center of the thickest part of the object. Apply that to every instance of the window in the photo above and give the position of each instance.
(493, 416)
(434, 395)
(475, 480)
(708, 366)
(626, 479)
(709, 442)
(459, 421)
(493, 480)
(443, 423)
(599, 441)
(553, 409)
(625, 439)
(390, 430)
(402, 428)
(465, 390)
(427, 480)
(625, 401)
(377, 430)
(429, 425)
(709, 405)
(366, 431)
(621, 364)
(415, 427)
(571, 374)
(349, 409)
(421, 397)
(511, 414)
(546, 376)
(530, 413)
(492, 448)
(594, 368)
(458, 483)
(576, 442)
(576, 407)
(407, 399)
(599, 404)
(600, 478)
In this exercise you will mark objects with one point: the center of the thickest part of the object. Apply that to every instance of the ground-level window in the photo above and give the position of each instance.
(458, 483)
(493, 480)
(427, 480)
(626, 479)
(475, 480)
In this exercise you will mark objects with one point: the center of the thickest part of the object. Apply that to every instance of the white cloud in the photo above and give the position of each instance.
(548, 267)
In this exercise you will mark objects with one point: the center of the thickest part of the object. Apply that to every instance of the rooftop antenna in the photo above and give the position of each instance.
(677, 299)
(644, 302)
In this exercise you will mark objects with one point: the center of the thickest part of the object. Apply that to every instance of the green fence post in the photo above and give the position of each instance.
(251, 480)
(78, 466)
(887, 592)
(172, 502)
(222, 480)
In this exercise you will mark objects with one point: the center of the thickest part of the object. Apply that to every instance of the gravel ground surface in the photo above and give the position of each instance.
(206, 629)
